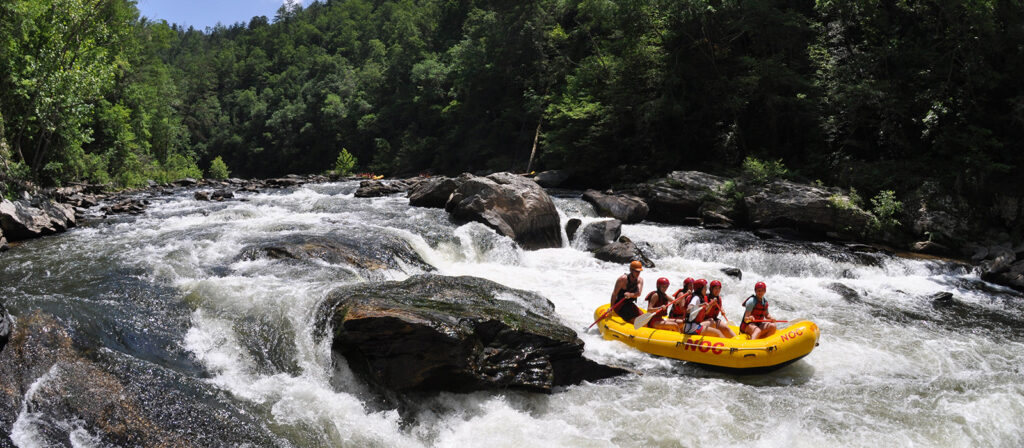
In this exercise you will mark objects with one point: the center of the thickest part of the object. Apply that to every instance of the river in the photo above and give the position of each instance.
(167, 291)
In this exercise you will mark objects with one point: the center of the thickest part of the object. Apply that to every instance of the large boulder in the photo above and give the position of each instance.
(366, 251)
(679, 195)
(601, 233)
(806, 208)
(937, 215)
(552, 178)
(20, 220)
(625, 208)
(436, 333)
(435, 191)
(42, 370)
(514, 206)
(1012, 276)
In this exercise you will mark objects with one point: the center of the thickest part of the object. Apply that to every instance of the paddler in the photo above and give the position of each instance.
(715, 308)
(659, 298)
(627, 290)
(756, 311)
(693, 310)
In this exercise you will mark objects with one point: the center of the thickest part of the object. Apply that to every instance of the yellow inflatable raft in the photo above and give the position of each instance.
(739, 354)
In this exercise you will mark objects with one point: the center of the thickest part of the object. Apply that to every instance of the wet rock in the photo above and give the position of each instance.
(366, 251)
(942, 300)
(376, 188)
(679, 195)
(42, 370)
(1011, 275)
(220, 195)
(623, 253)
(782, 233)
(461, 334)
(288, 181)
(130, 205)
(806, 208)
(601, 233)
(20, 220)
(552, 178)
(930, 247)
(202, 195)
(435, 191)
(571, 227)
(6, 326)
(733, 272)
(514, 206)
(3, 242)
(625, 208)
(186, 182)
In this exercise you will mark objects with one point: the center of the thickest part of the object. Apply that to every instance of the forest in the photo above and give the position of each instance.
(870, 94)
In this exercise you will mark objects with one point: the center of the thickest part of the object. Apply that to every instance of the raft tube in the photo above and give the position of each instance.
(739, 354)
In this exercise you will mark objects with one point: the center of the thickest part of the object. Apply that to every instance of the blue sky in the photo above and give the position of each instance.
(202, 14)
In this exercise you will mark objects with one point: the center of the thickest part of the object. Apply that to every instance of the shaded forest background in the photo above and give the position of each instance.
(872, 94)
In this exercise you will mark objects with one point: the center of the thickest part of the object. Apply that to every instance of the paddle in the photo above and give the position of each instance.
(606, 313)
(646, 317)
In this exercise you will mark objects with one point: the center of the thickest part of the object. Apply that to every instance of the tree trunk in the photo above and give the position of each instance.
(533, 152)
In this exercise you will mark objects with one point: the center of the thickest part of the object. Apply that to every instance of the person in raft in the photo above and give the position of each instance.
(627, 290)
(659, 298)
(757, 310)
(715, 310)
(687, 286)
(693, 310)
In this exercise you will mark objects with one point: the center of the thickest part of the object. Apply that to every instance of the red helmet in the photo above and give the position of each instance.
(715, 283)
(760, 285)
(663, 282)
(699, 284)
(688, 282)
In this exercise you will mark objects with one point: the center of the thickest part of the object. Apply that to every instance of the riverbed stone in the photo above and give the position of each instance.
(601, 233)
(377, 188)
(806, 208)
(626, 208)
(459, 334)
(733, 272)
(571, 226)
(512, 205)
(551, 178)
(21, 220)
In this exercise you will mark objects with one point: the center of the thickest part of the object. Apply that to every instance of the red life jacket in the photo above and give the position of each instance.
(760, 311)
(656, 298)
(679, 309)
(713, 310)
(703, 314)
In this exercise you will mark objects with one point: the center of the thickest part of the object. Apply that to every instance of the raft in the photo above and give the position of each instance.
(738, 355)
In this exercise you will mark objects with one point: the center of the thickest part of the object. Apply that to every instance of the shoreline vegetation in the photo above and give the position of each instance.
(906, 120)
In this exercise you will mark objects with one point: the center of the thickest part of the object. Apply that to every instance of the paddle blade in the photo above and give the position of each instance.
(642, 320)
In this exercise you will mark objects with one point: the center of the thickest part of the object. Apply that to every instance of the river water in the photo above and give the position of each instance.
(168, 290)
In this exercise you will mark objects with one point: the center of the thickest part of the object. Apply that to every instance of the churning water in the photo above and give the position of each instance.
(168, 289)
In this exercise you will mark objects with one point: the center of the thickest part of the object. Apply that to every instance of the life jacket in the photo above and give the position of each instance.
(713, 310)
(679, 309)
(703, 314)
(657, 298)
(760, 311)
(631, 287)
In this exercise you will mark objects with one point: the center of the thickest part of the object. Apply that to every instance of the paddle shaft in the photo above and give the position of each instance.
(643, 319)
(761, 321)
(606, 313)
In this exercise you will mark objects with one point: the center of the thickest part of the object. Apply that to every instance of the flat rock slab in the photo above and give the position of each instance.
(461, 334)
(362, 250)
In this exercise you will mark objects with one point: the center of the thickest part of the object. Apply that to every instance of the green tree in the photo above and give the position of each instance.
(345, 162)
(218, 169)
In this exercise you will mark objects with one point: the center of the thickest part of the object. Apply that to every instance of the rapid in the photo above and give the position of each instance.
(167, 291)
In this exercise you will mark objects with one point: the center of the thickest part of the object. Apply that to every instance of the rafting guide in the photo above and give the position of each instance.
(692, 325)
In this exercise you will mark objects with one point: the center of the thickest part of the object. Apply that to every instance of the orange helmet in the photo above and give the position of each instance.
(636, 265)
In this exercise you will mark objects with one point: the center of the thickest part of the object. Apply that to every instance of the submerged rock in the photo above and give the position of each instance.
(366, 251)
(436, 333)
(571, 227)
(625, 208)
(514, 206)
(733, 272)
(601, 233)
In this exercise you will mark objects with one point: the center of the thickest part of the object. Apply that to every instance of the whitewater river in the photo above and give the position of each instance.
(167, 291)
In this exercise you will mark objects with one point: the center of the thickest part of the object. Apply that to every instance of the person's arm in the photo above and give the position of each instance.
(749, 309)
(619, 284)
(639, 287)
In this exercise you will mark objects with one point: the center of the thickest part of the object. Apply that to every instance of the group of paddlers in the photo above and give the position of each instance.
(696, 308)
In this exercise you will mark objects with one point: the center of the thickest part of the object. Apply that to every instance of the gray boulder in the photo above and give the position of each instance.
(679, 195)
(20, 220)
(377, 188)
(571, 227)
(514, 206)
(623, 252)
(625, 208)
(601, 233)
(552, 178)
(805, 208)
(1011, 275)
(367, 252)
(435, 191)
(461, 334)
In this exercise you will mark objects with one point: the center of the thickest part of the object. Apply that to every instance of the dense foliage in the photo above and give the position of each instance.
(878, 95)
